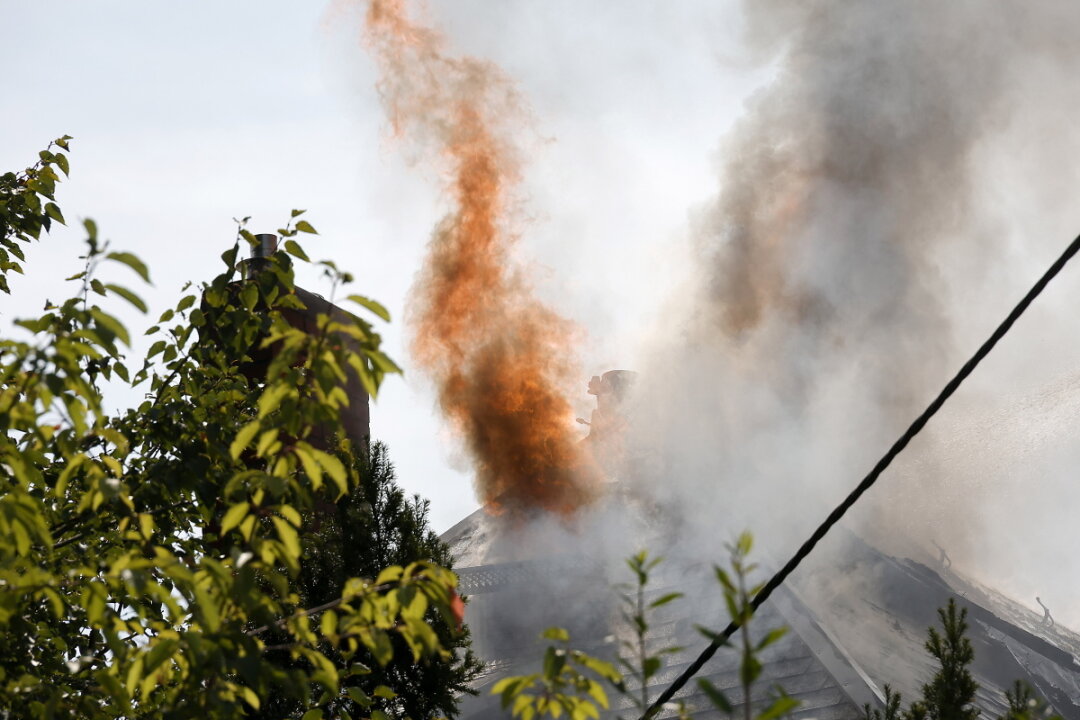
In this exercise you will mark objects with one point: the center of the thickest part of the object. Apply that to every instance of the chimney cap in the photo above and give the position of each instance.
(266, 245)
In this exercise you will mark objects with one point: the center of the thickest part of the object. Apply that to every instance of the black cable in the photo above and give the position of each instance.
(869, 480)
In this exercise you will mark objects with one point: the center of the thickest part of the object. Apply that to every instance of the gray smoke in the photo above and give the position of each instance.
(856, 252)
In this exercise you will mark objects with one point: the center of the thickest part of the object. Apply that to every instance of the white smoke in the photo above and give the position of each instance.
(883, 203)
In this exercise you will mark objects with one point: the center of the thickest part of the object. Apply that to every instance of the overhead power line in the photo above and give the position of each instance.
(867, 482)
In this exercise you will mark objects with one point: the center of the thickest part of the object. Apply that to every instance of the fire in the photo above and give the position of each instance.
(499, 358)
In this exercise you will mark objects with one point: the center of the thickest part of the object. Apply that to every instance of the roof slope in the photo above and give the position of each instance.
(880, 613)
(847, 638)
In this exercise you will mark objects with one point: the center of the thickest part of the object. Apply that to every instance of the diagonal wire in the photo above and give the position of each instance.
(897, 447)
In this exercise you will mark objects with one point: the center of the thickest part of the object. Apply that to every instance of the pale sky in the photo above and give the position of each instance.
(186, 115)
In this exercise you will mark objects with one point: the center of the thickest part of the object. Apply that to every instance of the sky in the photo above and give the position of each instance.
(187, 116)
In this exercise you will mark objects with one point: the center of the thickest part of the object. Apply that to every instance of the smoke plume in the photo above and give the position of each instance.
(501, 360)
(848, 249)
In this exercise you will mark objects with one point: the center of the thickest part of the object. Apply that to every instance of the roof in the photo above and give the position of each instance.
(846, 638)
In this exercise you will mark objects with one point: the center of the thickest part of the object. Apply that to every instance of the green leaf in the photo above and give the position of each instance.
(665, 599)
(289, 513)
(234, 515)
(53, 211)
(162, 650)
(601, 667)
(389, 575)
(750, 669)
(146, 525)
(371, 305)
(111, 324)
(134, 675)
(744, 544)
(381, 648)
(243, 439)
(554, 662)
(556, 633)
(229, 256)
(266, 440)
(249, 296)
(715, 696)
(315, 714)
(127, 295)
(328, 624)
(62, 162)
(305, 227)
(334, 468)
(293, 248)
(712, 635)
(297, 213)
(272, 397)
(771, 637)
(311, 468)
(250, 697)
(596, 692)
(358, 696)
(22, 538)
(126, 258)
(384, 692)
(288, 536)
(781, 706)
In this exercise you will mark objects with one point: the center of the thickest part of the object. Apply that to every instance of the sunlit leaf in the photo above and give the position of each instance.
(126, 258)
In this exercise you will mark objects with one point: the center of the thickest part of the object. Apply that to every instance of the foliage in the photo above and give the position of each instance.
(643, 662)
(1024, 705)
(738, 598)
(374, 526)
(565, 687)
(950, 694)
(891, 711)
(27, 205)
(147, 555)
(569, 683)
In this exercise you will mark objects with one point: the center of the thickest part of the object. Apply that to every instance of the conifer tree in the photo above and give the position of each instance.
(376, 525)
(951, 693)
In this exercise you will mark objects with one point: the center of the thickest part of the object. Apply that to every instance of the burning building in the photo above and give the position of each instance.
(817, 311)
(837, 656)
(856, 620)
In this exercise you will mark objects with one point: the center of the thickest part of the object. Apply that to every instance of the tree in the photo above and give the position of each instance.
(148, 556)
(950, 694)
(377, 525)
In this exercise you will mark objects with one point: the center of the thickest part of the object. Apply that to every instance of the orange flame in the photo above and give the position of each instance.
(498, 356)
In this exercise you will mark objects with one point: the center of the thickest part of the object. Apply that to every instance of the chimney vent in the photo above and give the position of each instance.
(265, 246)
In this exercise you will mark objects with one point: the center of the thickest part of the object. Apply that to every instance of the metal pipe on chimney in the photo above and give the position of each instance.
(265, 246)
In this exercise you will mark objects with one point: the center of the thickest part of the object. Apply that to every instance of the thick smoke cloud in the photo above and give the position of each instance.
(856, 222)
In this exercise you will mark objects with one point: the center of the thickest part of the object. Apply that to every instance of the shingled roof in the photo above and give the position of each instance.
(841, 648)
